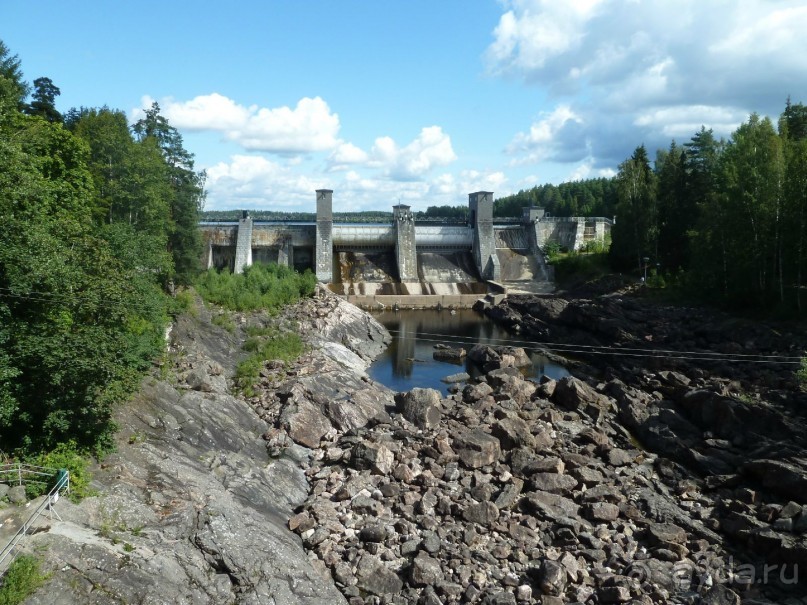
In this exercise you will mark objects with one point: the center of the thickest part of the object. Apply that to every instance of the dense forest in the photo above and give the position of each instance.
(589, 197)
(730, 217)
(99, 220)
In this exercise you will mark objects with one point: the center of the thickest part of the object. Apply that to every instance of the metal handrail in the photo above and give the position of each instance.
(576, 219)
(62, 484)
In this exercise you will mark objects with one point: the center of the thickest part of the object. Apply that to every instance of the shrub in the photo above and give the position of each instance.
(260, 286)
(552, 251)
(66, 455)
(21, 580)
(269, 345)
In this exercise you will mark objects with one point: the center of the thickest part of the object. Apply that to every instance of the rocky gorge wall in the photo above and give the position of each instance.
(191, 509)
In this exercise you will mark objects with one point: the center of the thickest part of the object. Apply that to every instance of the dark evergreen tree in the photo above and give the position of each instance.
(43, 102)
(13, 89)
(675, 212)
(635, 234)
(187, 188)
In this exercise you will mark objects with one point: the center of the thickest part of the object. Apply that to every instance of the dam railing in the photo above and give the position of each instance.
(25, 473)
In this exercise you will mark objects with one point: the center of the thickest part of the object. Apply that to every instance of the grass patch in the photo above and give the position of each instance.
(270, 344)
(183, 302)
(224, 320)
(801, 374)
(21, 580)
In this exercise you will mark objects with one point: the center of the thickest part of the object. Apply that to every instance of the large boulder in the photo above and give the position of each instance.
(421, 407)
(476, 449)
(375, 577)
(572, 393)
(306, 425)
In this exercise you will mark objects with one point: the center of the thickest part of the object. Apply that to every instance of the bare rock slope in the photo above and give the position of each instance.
(191, 509)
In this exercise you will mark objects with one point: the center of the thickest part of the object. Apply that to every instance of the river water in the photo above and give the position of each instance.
(408, 362)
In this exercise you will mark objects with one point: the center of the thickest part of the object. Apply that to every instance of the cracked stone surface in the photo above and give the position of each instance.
(191, 508)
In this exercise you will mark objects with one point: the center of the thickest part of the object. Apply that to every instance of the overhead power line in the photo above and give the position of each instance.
(563, 348)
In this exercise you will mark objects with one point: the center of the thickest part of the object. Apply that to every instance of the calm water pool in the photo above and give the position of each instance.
(408, 362)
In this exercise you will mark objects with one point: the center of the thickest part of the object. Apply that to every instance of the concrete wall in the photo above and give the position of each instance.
(481, 209)
(404, 223)
(571, 232)
(243, 245)
(360, 236)
(419, 301)
(460, 237)
(324, 240)
(307, 245)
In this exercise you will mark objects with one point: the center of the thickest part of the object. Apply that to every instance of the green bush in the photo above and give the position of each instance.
(260, 286)
(21, 580)
(656, 280)
(553, 251)
(66, 455)
(575, 266)
(183, 302)
(223, 320)
(801, 374)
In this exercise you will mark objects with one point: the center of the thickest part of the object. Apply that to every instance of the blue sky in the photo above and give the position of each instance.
(416, 101)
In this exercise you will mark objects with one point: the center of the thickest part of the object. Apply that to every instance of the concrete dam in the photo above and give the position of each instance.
(405, 257)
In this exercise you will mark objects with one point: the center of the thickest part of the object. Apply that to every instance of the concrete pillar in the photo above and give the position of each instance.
(324, 241)
(285, 255)
(405, 253)
(243, 244)
(481, 212)
(579, 234)
(532, 214)
(599, 230)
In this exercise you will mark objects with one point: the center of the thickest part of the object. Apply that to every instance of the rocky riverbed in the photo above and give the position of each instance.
(646, 480)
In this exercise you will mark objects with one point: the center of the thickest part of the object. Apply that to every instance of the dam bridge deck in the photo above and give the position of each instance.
(454, 257)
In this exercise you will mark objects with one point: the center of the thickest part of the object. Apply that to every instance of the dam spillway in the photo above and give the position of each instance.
(404, 257)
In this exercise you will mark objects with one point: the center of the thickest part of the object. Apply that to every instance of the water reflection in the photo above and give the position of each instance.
(408, 361)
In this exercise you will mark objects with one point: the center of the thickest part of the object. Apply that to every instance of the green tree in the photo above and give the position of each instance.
(13, 89)
(635, 234)
(752, 173)
(131, 177)
(676, 214)
(43, 101)
(187, 187)
(793, 130)
(81, 314)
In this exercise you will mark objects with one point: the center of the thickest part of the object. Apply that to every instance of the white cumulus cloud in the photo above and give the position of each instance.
(636, 72)
(549, 137)
(307, 127)
(431, 148)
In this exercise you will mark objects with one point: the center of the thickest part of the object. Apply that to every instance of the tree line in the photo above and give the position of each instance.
(98, 219)
(587, 197)
(729, 215)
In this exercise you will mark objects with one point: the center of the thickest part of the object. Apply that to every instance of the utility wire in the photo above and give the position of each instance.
(75, 298)
(533, 343)
(617, 351)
